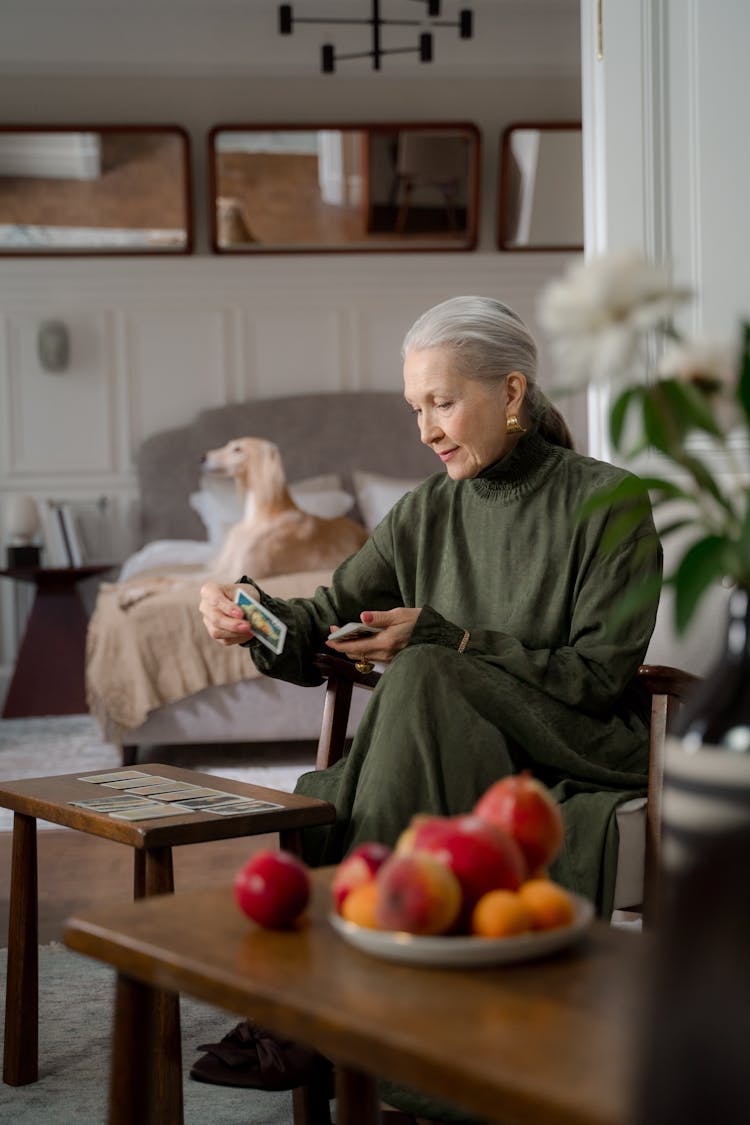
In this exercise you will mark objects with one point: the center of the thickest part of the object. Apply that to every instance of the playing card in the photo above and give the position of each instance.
(134, 784)
(237, 808)
(149, 812)
(107, 804)
(353, 631)
(268, 629)
(116, 775)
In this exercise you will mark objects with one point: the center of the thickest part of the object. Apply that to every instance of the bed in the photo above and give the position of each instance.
(153, 675)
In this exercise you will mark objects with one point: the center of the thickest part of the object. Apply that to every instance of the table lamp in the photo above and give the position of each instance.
(21, 527)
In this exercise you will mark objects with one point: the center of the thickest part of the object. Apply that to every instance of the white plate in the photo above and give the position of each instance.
(465, 951)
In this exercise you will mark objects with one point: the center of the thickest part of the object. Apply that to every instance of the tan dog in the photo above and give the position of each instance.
(274, 536)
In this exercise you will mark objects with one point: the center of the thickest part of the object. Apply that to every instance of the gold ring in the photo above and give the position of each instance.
(364, 666)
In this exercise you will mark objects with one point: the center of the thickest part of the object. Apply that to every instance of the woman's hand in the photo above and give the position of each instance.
(397, 625)
(223, 618)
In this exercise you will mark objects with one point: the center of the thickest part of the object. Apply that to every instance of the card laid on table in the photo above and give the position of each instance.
(268, 628)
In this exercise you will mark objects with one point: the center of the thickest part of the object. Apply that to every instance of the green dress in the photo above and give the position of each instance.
(545, 682)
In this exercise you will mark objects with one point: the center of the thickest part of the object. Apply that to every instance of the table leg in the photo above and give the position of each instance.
(21, 1051)
(357, 1101)
(135, 1096)
(156, 873)
(291, 840)
(311, 1105)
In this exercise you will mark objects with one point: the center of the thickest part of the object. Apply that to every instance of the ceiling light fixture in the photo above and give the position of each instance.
(329, 58)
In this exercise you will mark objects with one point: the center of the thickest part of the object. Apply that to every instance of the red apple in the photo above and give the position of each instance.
(526, 809)
(418, 894)
(482, 857)
(357, 868)
(273, 888)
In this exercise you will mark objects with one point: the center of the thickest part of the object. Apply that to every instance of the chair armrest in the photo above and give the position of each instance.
(338, 667)
(342, 677)
(660, 679)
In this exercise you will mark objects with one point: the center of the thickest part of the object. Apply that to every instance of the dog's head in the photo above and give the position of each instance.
(241, 458)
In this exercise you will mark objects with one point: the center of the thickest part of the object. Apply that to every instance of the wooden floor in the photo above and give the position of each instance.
(77, 871)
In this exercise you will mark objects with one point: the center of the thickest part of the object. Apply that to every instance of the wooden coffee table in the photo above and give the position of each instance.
(47, 798)
(547, 1041)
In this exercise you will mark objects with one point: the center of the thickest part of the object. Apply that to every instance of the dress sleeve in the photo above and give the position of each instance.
(366, 580)
(594, 669)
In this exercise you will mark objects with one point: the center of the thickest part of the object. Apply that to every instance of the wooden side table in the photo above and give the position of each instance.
(49, 677)
(48, 798)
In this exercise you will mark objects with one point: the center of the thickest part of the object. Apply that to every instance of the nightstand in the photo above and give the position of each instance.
(49, 677)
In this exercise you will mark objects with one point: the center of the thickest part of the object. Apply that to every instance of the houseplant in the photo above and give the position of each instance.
(610, 320)
(613, 319)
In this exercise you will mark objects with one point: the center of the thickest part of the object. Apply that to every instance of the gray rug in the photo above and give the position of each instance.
(75, 1027)
(67, 743)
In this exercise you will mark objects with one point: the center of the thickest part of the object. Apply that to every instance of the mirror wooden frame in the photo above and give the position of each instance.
(508, 195)
(78, 188)
(233, 230)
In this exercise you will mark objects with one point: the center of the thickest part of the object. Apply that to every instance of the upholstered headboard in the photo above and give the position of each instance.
(321, 433)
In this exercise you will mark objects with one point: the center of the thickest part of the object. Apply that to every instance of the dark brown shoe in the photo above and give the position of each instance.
(254, 1057)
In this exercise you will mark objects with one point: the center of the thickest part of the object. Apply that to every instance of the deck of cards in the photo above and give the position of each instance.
(268, 629)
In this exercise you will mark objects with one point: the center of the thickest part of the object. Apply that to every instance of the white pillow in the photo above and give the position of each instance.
(220, 505)
(167, 552)
(377, 494)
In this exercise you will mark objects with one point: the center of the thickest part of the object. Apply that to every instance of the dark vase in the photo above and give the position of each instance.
(707, 761)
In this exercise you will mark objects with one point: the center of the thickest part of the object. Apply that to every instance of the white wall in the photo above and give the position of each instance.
(155, 340)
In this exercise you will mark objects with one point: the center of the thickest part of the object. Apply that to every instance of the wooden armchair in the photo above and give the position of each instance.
(667, 686)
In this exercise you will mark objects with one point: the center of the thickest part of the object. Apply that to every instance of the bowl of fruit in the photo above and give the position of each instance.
(466, 890)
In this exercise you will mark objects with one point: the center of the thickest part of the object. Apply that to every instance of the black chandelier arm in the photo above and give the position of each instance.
(464, 23)
(376, 22)
(329, 58)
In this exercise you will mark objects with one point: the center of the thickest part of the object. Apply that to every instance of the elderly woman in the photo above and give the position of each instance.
(495, 610)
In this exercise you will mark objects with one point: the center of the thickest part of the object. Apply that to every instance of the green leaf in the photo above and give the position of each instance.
(702, 564)
(705, 480)
(743, 390)
(655, 427)
(677, 525)
(637, 597)
(691, 406)
(619, 528)
(619, 412)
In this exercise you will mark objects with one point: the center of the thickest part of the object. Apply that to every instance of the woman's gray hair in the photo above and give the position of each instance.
(489, 340)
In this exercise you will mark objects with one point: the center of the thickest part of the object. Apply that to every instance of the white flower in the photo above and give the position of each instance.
(706, 363)
(710, 367)
(598, 313)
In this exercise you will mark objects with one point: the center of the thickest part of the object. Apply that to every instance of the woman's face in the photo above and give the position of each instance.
(462, 420)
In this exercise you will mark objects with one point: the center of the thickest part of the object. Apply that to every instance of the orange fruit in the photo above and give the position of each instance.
(549, 904)
(500, 913)
(359, 905)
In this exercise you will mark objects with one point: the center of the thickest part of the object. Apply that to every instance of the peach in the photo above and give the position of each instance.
(549, 904)
(360, 866)
(482, 857)
(525, 808)
(418, 894)
(361, 903)
(501, 914)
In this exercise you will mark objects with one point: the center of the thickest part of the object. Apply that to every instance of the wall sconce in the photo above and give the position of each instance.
(53, 345)
(464, 23)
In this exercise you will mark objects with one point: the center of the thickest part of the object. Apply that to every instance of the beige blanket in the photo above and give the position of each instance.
(157, 650)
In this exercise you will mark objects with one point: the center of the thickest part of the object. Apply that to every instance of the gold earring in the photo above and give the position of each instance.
(513, 426)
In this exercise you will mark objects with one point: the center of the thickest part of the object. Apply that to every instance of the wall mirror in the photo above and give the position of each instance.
(541, 187)
(94, 190)
(338, 188)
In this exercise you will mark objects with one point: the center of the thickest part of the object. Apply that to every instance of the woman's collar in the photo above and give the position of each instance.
(520, 471)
